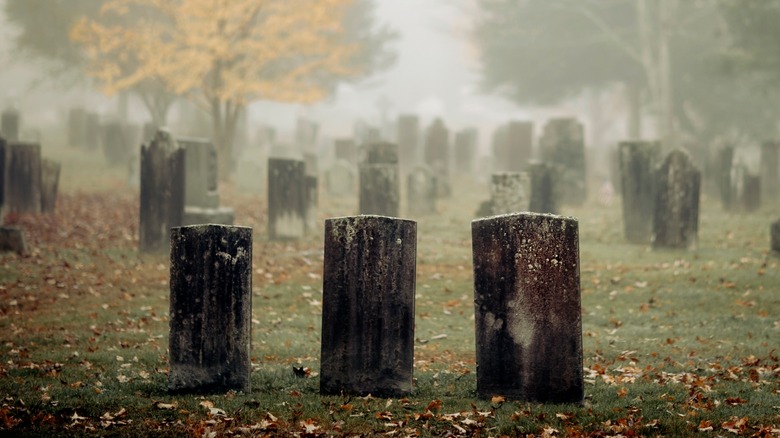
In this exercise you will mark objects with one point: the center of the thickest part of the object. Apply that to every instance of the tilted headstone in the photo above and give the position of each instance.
(774, 234)
(509, 192)
(12, 240)
(9, 124)
(638, 160)
(91, 131)
(527, 308)
(286, 198)
(676, 216)
(341, 179)
(368, 288)
(77, 125)
(116, 144)
(563, 144)
(519, 144)
(465, 150)
(344, 149)
(22, 178)
(162, 191)
(408, 140)
(50, 182)
(379, 182)
(210, 309)
(770, 171)
(545, 188)
(437, 155)
(723, 175)
(421, 191)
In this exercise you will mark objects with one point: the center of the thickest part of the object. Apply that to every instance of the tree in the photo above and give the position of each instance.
(224, 54)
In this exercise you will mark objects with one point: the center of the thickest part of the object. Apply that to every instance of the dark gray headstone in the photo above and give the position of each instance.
(421, 191)
(9, 124)
(676, 216)
(210, 309)
(770, 172)
(563, 145)
(545, 188)
(162, 191)
(368, 306)
(22, 178)
(50, 182)
(287, 198)
(379, 181)
(437, 155)
(12, 240)
(527, 308)
(509, 192)
(638, 160)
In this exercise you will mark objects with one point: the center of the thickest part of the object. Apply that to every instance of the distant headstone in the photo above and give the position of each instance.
(210, 309)
(340, 179)
(676, 216)
(311, 190)
(563, 144)
(545, 188)
(421, 191)
(500, 148)
(519, 144)
(306, 134)
(77, 125)
(9, 124)
(50, 182)
(527, 308)
(408, 140)
(770, 171)
(745, 190)
(22, 178)
(379, 191)
(437, 155)
(92, 132)
(638, 160)
(12, 240)
(344, 149)
(368, 289)
(162, 191)
(723, 175)
(465, 151)
(509, 192)
(287, 198)
(116, 145)
(201, 170)
(774, 231)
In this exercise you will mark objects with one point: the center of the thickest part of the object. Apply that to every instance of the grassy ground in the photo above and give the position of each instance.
(676, 343)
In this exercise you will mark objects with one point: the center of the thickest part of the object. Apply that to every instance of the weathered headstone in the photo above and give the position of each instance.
(77, 125)
(465, 150)
(9, 124)
(12, 240)
(638, 160)
(91, 131)
(774, 232)
(162, 191)
(421, 191)
(676, 216)
(509, 192)
(437, 155)
(527, 308)
(22, 178)
(340, 179)
(50, 182)
(379, 191)
(210, 309)
(770, 171)
(286, 198)
(545, 188)
(201, 198)
(408, 140)
(368, 289)
(344, 149)
(519, 144)
(563, 145)
(116, 145)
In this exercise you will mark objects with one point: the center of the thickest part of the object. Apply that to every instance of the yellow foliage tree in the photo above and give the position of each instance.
(222, 54)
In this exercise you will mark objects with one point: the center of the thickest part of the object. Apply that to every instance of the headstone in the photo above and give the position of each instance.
(563, 145)
(723, 176)
(286, 198)
(676, 216)
(344, 149)
(368, 289)
(465, 151)
(509, 192)
(545, 188)
(311, 190)
(77, 125)
(340, 179)
(50, 182)
(91, 131)
(745, 190)
(379, 191)
(9, 124)
(770, 172)
(201, 170)
(638, 160)
(500, 147)
(12, 240)
(421, 191)
(116, 145)
(22, 178)
(408, 140)
(162, 191)
(306, 134)
(527, 308)
(519, 144)
(210, 309)
(774, 231)
(437, 155)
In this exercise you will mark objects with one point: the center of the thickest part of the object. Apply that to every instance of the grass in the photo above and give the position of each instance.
(676, 343)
